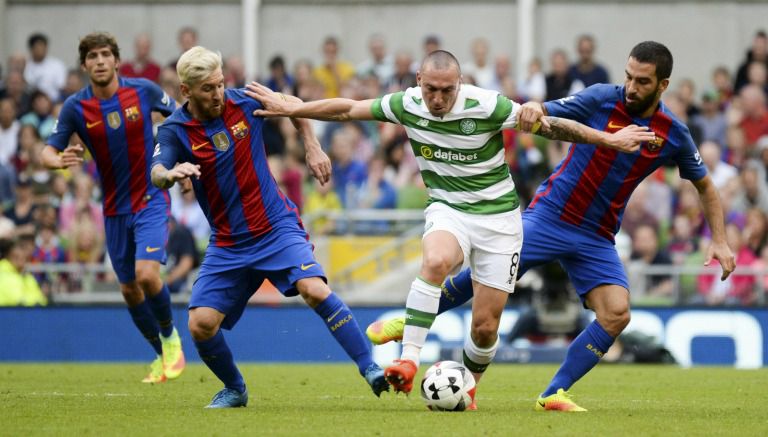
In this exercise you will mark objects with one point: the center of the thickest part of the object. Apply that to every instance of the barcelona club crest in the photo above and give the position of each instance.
(221, 141)
(239, 130)
(132, 113)
(655, 144)
(113, 119)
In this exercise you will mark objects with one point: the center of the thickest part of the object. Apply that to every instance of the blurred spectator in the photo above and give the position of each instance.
(737, 289)
(502, 75)
(320, 200)
(719, 171)
(757, 53)
(9, 141)
(403, 77)
(17, 62)
(755, 230)
(757, 74)
(15, 88)
(349, 173)
(754, 192)
(414, 194)
(142, 64)
(333, 73)
(676, 103)
(645, 244)
(279, 79)
(636, 213)
(40, 115)
(376, 192)
(75, 82)
(28, 138)
(18, 288)
(42, 71)
(305, 83)
(479, 69)
(686, 92)
(186, 39)
(169, 82)
(400, 162)
(48, 249)
(682, 241)
(22, 212)
(81, 201)
(293, 177)
(586, 70)
(186, 210)
(754, 114)
(86, 246)
(559, 82)
(234, 72)
(379, 63)
(710, 120)
(723, 85)
(182, 256)
(534, 86)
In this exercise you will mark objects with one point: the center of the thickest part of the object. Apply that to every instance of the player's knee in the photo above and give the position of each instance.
(202, 328)
(435, 267)
(484, 332)
(313, 291)
(131, 294)
(615, 319)
(148, 278)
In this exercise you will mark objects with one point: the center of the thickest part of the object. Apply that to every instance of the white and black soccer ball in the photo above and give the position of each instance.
(447, 386)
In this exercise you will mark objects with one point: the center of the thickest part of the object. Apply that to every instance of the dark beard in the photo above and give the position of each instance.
(639, 107)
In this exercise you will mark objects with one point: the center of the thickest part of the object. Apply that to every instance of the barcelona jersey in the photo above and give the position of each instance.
(118, 134)
(236, 190)
(591, 186)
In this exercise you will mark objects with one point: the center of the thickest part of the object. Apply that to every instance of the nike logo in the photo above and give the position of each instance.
(197, 146)
(333, 316)
(612, 125)
(89, 125)
(152, 249)
(305, 267)
(542, 404)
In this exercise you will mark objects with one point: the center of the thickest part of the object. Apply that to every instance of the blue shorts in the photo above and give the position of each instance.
(589, 259)
(142, 235)
(229, 276)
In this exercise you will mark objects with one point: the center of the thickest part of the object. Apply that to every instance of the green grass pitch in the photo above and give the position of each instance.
(332, 400)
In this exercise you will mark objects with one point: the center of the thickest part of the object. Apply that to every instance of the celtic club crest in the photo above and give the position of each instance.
(467, 126)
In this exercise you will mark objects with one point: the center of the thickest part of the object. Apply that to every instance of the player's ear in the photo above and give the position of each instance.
(184, 88)
(663, 85)
(418, 77)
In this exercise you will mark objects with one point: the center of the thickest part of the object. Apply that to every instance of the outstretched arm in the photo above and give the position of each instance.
(713, 212)
(278, 104)
(626, 140)
(164, 178)
(317, 161)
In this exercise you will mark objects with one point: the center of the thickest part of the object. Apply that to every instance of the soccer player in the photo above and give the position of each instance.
(256, 231)
(455, 132)
(577, 211)
(112, 115)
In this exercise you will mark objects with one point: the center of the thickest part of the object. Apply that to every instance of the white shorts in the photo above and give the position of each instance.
(491, 243)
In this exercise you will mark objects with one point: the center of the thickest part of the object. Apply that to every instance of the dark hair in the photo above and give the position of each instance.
(36, 38)
(441, 60)
(276, 62)
(651, 52)
(761, 34)
(97, 40)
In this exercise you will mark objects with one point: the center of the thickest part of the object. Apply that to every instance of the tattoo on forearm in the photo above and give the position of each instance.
(565, 130)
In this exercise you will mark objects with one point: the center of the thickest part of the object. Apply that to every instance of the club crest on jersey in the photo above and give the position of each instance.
(113, 119)
(655, 144)
(467, 126)
(239, 130)
(132, 113)
(423, 122)
(221, 141)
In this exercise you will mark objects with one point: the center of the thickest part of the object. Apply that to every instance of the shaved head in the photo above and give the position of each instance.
(440, 60)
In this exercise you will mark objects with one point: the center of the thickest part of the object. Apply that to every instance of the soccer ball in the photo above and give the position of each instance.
(448, 386)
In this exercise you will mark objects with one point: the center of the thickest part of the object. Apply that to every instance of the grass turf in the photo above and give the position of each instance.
(319, 400)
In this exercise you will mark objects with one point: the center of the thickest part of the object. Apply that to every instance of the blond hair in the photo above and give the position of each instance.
(197, 64)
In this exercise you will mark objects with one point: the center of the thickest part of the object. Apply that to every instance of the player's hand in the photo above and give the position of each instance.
(182, 171)
(722, 253)
(275, 104)
(530, 114)
(71, 156)
(318, 162)
(629, 138)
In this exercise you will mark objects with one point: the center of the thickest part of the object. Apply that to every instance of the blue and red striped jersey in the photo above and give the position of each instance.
(236, 190)
(591, 186)
(118, 133)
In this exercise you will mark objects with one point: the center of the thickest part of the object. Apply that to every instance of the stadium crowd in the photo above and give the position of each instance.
(56, 217)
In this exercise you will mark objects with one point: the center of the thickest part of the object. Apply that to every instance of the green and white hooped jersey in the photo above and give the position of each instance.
(461, 155)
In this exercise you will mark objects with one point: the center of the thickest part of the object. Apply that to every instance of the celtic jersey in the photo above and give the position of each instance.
(460, 155)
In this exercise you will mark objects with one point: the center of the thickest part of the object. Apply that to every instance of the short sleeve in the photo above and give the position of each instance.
(161, 101)
(167, 147)
(689, 160)
(65, 126)
(389, 108)
(580, 106)
(505, 113)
